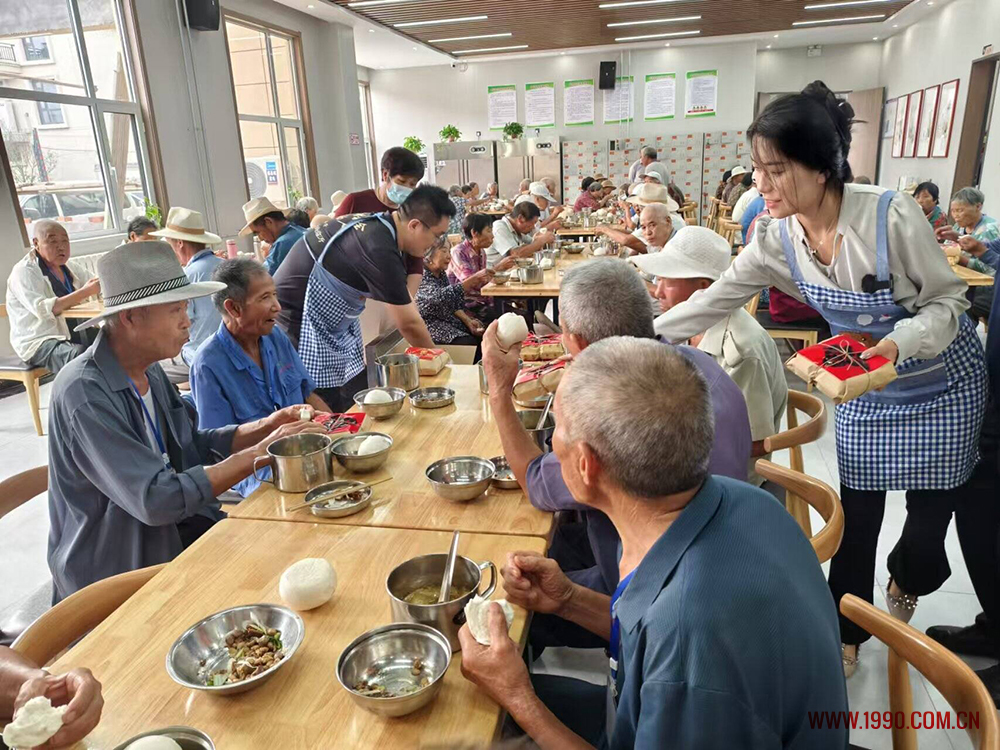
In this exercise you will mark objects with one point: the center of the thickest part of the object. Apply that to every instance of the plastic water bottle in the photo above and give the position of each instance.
(231, 249)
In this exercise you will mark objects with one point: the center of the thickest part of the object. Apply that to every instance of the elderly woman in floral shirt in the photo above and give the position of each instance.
(442, 303)
(469, 258)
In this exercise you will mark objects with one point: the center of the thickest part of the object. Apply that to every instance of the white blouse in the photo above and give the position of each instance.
(923, 282)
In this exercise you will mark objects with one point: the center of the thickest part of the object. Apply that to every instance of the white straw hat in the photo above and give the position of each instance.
(337, 198)
(541, 190)
(738, 170)
(648, 193)
(253, 210)
(186, 224)
(692, 253)
(140, 274)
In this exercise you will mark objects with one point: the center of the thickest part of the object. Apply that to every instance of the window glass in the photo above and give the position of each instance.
(284, 76)
(36, 48)
(251, 72)
(105, 53)
(42, 45)
(264, 164)
(296, 171)
(126, 171)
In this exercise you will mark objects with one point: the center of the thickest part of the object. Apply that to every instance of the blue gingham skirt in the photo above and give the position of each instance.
(330, 340)
(924, 446)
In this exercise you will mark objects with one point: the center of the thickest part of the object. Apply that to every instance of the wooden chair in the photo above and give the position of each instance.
(14, 368)
(793, 438)
(713, 212)
(690, 213)
(15, 491)
(78, 614)
(806, 331)
(729, 230)
(817, 494)
(953, 678)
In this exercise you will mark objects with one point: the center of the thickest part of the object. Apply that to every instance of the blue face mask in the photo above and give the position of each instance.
(397, 193)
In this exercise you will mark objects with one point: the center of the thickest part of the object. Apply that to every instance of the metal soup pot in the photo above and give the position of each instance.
(398, 371)
(298, 462)
(533, 274)
(427, 570)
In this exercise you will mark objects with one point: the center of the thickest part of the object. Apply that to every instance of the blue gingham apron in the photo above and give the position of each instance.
(330, 340)
(921, 432)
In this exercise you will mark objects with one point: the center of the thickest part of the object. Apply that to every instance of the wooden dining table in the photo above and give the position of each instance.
(972, 278)
(302, 707)
(549, 287)
(407, 501)
(85, 310)
(585, 231)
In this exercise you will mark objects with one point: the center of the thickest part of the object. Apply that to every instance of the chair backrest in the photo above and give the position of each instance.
(15, 491)
(953, 678)
(818, 495)
(3, 310)
(78, 614)
(799, 434)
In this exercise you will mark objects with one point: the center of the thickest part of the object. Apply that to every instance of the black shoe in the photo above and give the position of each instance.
(991, 679)
(972, 640)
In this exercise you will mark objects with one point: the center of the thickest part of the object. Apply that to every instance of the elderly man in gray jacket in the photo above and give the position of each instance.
(130, 483)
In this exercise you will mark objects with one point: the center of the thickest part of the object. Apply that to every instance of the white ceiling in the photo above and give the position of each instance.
(379, 47)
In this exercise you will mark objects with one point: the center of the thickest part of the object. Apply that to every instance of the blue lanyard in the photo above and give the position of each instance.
(152, 423)
(616, 627)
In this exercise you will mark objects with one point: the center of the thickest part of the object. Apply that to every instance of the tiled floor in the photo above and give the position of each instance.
(22, 560)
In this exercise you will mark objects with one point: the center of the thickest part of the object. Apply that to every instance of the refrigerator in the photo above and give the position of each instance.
(462, 162)
(528, 158)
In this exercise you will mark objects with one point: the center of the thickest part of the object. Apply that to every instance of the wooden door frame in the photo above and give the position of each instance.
(982, 75)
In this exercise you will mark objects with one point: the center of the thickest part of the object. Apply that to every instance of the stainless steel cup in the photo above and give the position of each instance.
(298, 462)
(427, 570)
(542, 435)
(484, 386)
(398, 371)
(532, 274)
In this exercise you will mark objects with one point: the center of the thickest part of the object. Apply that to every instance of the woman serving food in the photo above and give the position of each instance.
(867, 260)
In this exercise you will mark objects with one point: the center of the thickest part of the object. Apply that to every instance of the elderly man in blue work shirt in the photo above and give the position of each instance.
(977, 517)
(129, 480)
(249, 368)
(270, 225)
(599, 299)
(722, 631)
(185, 233)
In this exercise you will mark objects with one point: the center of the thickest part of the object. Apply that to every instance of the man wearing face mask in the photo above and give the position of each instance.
(401, 171)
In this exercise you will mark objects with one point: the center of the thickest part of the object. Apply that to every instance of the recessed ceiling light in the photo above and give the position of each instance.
(310, 7)
(768, 46)
(655, 36)
(654, 20)
(839, 20)
(562, 53)
(489, 49)
(369, 3)
(439, 20)
(930, 2)
(843, 4)
(631, 3)
(895, 26)
(776, 36)
(667, 44)
(415, 48)
(371, 31)
(466, 38)
(874, 38)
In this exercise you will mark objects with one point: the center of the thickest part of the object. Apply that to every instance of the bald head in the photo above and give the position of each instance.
(51, 242)
(523, 187)
(656, 225)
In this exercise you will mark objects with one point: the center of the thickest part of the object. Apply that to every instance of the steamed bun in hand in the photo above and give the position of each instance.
(477, 615)
(511, 329)
(154, 743)
(308, 583)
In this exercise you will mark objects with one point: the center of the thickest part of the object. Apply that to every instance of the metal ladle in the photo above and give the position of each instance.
(449, 570)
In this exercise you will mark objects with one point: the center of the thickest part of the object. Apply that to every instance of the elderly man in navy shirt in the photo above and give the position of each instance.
(977, 517)
(599, 299)
(708, 565)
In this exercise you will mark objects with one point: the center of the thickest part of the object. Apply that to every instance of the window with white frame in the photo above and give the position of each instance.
(269, 96)
(71, 125)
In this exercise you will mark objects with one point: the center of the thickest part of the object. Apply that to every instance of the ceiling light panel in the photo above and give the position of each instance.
(849, 19)
(467, 38)
(489, 49)
(655, 36)
(634, 3)
(654, 20)
(462, 19)
(845, 4)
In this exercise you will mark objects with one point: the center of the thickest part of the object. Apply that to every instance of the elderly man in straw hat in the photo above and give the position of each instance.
(658, 226)
(270, 224)
(130, 484)
(185, 233)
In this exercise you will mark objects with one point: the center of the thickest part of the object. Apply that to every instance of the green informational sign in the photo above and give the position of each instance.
(701, 96)
(540, 105)
(501, 105)
(578, 102)
(660, 96)
(618, 103)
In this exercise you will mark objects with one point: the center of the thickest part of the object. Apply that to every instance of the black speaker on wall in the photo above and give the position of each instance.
(203, 15)
(607, 80)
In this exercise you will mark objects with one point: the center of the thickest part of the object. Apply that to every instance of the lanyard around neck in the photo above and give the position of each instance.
(157, 435)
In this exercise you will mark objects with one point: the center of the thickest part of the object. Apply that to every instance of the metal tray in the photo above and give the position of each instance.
(433, 397)
(503, 477)
(339, 507)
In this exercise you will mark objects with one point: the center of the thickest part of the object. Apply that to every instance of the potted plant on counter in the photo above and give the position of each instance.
(414, 144)
(513, 130)
(450, 133)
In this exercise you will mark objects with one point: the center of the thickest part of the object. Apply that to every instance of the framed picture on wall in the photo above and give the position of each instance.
(912, 123)
(889, 118)
(925, 133)
(945, 119)
(897, 133)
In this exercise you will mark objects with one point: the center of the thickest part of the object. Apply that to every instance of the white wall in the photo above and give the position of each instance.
(937, 49)
(432, 97)
(842, 67)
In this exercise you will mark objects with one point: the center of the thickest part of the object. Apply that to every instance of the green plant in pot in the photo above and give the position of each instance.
(450, 133)
(414, 144)
(513, 130)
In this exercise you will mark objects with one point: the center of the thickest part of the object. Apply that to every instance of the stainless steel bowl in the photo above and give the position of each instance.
(398, 371)
(188, 738)
(339, 507)
(573, 248)
(345, 450)
(387, 655)
(542, 435)
(381, 411)
(202, 648)
(500, 278)
(532, 274)
(433, 397)
(460, 478)
(524, 262)
(298, 462)
(504, 477)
